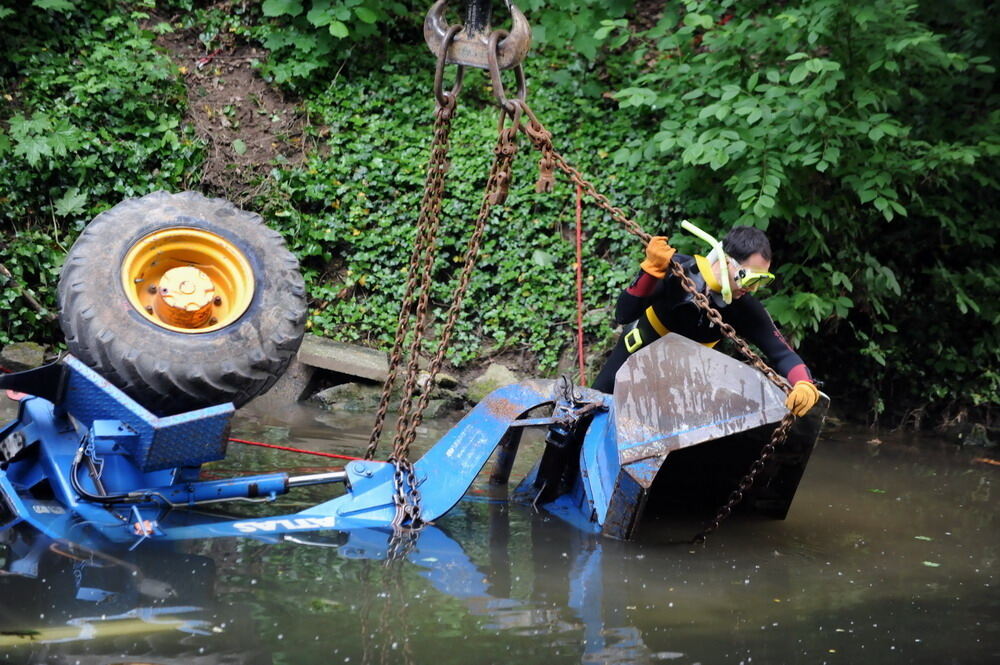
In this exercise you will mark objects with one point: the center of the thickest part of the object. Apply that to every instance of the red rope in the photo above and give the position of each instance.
(579, 284)
(293, 450)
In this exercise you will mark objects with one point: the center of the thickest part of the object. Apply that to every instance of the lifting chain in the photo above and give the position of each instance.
(406, 495)
(413, 314)
(777, 438)
(423, 253)
(541, 138)
(497, 185)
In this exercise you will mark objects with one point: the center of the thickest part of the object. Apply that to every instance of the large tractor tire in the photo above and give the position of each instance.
(182, 301)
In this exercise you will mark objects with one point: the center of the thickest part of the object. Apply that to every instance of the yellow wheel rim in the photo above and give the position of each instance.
(187, 280)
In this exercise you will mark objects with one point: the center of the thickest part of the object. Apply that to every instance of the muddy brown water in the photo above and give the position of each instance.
(888, 555)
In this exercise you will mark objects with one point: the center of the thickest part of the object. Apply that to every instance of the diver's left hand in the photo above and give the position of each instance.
(803, 397)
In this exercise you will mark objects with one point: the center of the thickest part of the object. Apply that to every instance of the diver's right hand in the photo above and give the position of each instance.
(658, 256)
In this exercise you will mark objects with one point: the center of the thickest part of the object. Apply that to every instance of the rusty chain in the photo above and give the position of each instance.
(407, 498)
(778, 437)
(415, 304)
(497, 187)
(541, 138)
(422, 254)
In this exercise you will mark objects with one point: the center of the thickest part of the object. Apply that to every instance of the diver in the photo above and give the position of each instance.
(658, 304)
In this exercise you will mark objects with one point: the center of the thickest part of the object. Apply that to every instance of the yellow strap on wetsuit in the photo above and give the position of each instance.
(633, 340)
(654, 321)
(661, 329)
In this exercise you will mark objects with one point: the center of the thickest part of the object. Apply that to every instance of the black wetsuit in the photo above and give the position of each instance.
(663, 303)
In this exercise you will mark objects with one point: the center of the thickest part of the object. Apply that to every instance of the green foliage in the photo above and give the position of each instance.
(862, 136)
(350, 213)
(577, 26)
(307, 36)
(307, 40)
(864, 140)
(92, 115)
(312, 40)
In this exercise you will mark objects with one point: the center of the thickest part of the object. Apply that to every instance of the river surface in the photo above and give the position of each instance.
(889, 555)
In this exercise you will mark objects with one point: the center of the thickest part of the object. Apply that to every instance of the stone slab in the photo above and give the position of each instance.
(344, 358)
(20, 356)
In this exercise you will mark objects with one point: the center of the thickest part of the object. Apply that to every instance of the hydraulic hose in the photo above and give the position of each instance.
(90, 496)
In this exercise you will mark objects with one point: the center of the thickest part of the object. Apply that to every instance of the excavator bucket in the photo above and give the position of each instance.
(686, 424)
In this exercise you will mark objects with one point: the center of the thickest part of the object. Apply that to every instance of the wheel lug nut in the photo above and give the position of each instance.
(152, 288)
(217, 301)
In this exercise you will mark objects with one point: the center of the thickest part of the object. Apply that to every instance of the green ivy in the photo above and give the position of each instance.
(92, 115)
(863, 137)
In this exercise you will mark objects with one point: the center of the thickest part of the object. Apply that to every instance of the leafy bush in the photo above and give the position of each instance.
(93, 114)
(864, 140)
(305, 37)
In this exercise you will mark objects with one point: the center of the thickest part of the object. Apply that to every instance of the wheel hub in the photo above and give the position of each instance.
(185, 297)
(187, 280)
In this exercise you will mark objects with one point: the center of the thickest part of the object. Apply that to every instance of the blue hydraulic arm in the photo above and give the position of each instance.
(444, 474)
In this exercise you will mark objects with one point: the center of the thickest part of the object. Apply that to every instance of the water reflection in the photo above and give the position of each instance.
(889, 554)
(536, 581)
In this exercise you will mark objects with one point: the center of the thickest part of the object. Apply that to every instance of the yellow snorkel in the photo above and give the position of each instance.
(727, 292)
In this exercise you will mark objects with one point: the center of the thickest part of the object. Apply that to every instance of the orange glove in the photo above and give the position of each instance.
(803, 397)
(658, 256)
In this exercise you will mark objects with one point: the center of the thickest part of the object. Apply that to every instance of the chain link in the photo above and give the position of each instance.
(777, 438)
(541, 138)
(422, 255)
(497, 185)
(406, 496)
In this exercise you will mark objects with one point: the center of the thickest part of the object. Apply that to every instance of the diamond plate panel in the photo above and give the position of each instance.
(186, 439)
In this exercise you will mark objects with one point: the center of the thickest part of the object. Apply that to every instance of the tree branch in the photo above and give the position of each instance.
(27, 294)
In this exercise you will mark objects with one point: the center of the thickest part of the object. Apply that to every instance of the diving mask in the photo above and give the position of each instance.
(749, 279)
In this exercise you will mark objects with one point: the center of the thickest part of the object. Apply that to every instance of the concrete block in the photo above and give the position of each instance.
(344, 358)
